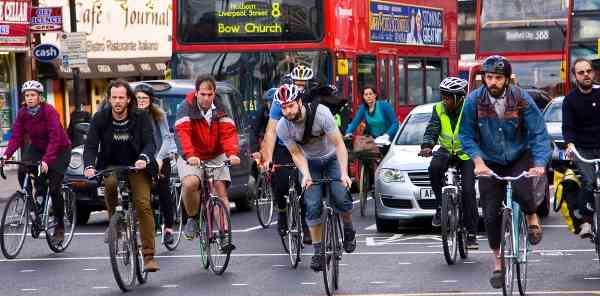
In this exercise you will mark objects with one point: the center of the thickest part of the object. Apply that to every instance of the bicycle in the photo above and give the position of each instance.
(596, 194)
(292, 240)
(454, 232)
(214, 224)
(24, 208)
(264, 199)
(514, 246)
(175, 190)
(331, 238)
(126, 258)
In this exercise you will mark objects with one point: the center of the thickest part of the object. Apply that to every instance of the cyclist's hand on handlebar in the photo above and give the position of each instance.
(89, 172)
(234, 160)
(425, 152)
(140, 164)
(193, 161)
(482, 170)
(306, 182)
(43, 167)
(536, 171)
(348, 137)
(569, 151)
(346, 181)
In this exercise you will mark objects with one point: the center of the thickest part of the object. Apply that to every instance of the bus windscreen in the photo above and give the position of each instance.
(242, 21)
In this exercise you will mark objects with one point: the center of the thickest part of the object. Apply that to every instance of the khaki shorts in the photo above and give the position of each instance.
(221, 174)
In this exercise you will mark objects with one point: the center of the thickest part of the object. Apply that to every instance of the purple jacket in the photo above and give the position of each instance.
(45, 132)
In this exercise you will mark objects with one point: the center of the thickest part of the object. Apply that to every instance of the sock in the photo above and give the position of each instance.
(348, 227)
(317, 247)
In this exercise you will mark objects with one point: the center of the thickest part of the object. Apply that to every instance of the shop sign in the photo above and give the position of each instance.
(46, 19)
(404, 24)
(14, 24)
(45, 52)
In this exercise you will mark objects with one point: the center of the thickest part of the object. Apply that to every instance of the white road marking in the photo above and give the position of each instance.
(343, 264)
(404, 263)
(468, 262)
(169, 286)
(592, 278)
(481, 293)
(236, 285)
(27, 270)
(89, 269)
(279, 265)
(98, 288)
(377, 283)
(449, 281)
(29, 290)
(308, 283)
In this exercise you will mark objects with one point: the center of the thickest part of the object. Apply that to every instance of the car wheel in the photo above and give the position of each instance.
(384, 225)
(83, 214)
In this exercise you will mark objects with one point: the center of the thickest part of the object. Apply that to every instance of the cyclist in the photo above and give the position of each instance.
(443, 128)
(503, 131)
(379, 116)
(204, 132)
(262, 119)
(301, 76)
(165, 151)
(319, 150)
(581, 127)
(121, 135)
(39, 122)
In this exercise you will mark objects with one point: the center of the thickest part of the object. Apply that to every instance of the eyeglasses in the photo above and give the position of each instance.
(142, 98)
(589, 71)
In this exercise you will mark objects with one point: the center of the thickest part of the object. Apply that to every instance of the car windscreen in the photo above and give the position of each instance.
(413, 130)
(553, 113)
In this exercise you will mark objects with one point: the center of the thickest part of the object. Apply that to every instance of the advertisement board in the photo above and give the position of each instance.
(14, 24)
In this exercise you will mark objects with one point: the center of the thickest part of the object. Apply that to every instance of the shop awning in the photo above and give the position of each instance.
(116, 68)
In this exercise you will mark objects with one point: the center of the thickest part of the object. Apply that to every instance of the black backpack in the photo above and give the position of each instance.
(323, 95)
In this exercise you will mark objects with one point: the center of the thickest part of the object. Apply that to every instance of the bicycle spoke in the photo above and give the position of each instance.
(14, 225)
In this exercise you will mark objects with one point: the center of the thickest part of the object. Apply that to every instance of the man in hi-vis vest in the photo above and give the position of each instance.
(443, 128)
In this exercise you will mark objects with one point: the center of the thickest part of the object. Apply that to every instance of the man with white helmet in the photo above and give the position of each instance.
(443, 128)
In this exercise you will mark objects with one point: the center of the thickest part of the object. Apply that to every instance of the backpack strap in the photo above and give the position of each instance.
(311, 111)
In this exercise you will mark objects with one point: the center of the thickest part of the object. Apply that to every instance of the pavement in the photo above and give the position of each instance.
(8, 186)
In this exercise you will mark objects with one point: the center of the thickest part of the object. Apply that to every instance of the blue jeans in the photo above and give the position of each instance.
(342, 201)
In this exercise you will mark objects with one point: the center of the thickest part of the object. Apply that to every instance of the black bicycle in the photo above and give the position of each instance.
(124, 245)
(454, 232)
(292, 240)
(32, 205)
(264, 199)
(175, 200)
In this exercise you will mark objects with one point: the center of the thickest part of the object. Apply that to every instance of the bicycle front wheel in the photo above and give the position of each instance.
(507, 252)
(177, 218)
(449, 218)
(218, 235)
(363, 188)
(136, 241)
(13, 230)
(203, 239)
(122, 252)
(328, 254)
(69, 221)
(523, 250)
(294, 235)
(597, 224)
(264, 202)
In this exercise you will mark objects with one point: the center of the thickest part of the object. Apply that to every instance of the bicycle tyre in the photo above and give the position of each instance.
(294, 230)
(177, 218)
(462, 233)
(328, 253)
(69, 220)
(202, 238)
(119, 235)
(522, 262)
(264, 202)
(363, 188)
(596, 225)
(216, 234)
(507, 252)
(141, 275)
(448, 227)
(20, 207)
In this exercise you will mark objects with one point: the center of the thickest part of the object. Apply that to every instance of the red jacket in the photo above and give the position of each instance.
(196, 138)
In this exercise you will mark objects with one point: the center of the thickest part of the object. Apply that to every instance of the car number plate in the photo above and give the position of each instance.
(100, 190)
(427, 193)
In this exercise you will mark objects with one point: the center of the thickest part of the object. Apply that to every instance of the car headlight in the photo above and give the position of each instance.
(76, 160)
(392, 175)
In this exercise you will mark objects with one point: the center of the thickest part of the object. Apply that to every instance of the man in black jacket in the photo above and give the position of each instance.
(124, 135)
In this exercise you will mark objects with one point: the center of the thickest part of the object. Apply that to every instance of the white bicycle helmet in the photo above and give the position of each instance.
(302, 72)
(287, 93)
(32, 85)
(454, 85)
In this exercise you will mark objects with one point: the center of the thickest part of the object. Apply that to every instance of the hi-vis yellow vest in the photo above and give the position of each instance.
(449, 138)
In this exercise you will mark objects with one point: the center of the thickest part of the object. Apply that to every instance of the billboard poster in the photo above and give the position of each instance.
(46, 19)
(396, 23)
(14, 24)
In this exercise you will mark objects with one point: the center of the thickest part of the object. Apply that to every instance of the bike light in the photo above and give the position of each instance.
(76, 161)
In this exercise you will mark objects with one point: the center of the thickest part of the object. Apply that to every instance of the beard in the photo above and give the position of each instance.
(119, 109)
(585, 84)
(495, 92)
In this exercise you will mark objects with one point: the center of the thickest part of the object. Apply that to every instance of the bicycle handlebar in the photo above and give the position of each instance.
(29, 164)
(206, 165)
(583, 159)
(524, 174)
(120, 168)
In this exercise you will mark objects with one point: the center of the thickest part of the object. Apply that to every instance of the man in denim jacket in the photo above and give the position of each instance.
(503, 131)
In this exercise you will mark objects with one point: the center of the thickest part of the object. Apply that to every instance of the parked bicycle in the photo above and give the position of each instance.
(32, 205)
(454, 231)
(514, 245)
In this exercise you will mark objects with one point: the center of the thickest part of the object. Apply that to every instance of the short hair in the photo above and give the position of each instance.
(580, 60)
(202, 78)
(122, 83)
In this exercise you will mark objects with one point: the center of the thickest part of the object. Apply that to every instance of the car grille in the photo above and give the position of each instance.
(420, 179)
(427, 204)
(396, 203)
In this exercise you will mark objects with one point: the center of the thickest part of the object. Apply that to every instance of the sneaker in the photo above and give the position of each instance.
(191, 229)
(307, 240)
(150, 265)
(497, 279)
(437, 219)
(472, 243)
(282, 224)
(586, 230)
(59, 234)
(349, 240)
(168, 237)
(316, 263)
(225, 244)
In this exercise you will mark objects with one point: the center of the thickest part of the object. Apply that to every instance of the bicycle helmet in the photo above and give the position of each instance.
(269, 94)
(453, 85)
(498, 65)
(287, 93)
(32, 85)
(302, 72)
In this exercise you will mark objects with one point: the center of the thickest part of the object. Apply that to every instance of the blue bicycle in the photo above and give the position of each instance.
(514, 246)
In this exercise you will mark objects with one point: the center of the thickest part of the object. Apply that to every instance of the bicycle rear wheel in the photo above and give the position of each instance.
(522, 260)
(122, 252)
(177, 218)
(507, 252)
(462, 231)
(294, 235)
(449, 227)
(264, 202)
(218, 226)
(13, 229)
(203, 239)
(363, 188)
(69, 221)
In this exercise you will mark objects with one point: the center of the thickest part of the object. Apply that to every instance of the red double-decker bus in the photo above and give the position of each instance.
(531, 34)
(404, 48)
(583, 38)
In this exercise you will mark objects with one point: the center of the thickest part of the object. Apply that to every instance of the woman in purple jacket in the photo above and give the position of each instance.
(39, 123)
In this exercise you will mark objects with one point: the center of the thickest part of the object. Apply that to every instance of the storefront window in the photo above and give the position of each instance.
(7, 106)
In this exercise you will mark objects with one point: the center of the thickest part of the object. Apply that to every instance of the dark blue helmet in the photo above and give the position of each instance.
(498, 65)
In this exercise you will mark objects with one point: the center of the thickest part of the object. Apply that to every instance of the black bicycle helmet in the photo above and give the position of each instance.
(498, 65)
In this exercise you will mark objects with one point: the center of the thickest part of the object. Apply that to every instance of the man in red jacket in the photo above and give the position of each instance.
(204, 133)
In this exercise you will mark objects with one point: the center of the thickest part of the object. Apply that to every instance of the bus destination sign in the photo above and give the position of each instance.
(260, 18)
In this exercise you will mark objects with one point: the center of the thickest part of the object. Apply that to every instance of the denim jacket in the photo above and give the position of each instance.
(165, 141)
(503, 141)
